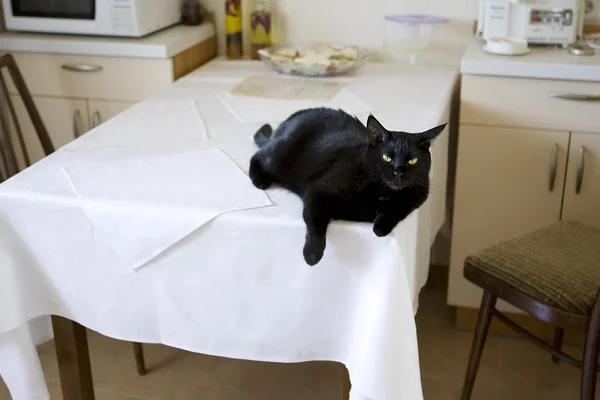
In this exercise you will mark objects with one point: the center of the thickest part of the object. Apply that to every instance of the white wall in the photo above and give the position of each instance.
(356, 22)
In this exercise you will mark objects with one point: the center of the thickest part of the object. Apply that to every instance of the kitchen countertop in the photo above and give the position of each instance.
(542, 63)
(162, 44)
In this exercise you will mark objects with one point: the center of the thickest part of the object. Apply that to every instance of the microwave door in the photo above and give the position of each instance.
(56, 9)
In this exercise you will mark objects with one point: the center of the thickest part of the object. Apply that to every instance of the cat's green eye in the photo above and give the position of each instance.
(386, 158)
(412, 161)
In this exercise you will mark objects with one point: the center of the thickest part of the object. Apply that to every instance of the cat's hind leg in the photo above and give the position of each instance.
(260, 178)
(317, 217)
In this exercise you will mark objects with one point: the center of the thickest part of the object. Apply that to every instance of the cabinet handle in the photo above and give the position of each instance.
(76, 123)
(553, 166)
(574, 96)
(96, 119)
(580, 169)
(75, 67)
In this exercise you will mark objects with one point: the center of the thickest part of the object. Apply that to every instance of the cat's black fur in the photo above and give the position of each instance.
(336, 165)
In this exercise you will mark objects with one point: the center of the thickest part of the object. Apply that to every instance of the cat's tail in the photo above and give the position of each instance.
(263, 135)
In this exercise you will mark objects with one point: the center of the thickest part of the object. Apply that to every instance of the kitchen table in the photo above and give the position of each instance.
(236, 285)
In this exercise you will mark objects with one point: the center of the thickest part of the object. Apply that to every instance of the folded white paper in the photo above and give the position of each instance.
(250, 110)
(141, 207)
(270, 87)
(147, 122)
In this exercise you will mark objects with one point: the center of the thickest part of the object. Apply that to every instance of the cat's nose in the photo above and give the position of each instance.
(398, 174)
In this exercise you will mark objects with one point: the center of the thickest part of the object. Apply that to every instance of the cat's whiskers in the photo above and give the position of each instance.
(366, 177)
(433, 187)
(425, 185)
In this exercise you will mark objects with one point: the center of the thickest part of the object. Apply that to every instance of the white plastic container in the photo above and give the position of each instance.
(405, 36)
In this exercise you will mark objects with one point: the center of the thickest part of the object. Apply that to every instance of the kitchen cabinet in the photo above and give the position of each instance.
(521, 153)
(65, 119)
(509, 181)
(76, 92)
(582, 201)
(93, 77)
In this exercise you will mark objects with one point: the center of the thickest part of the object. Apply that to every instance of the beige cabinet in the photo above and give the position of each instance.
(520, 102)
(509, 181)
(75, 93)
(582, 189)
(114, 78)
(526, 159)
(65, 119)
(101, 111)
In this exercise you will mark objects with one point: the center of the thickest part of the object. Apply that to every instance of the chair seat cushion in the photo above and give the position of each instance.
(558, 266)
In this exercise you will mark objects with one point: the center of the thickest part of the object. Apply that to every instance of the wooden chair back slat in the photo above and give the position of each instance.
(13, 146)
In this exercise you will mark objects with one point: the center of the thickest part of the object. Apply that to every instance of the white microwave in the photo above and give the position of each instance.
(133, 18)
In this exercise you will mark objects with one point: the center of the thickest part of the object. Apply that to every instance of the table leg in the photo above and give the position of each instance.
(347, 384)
(70, 340)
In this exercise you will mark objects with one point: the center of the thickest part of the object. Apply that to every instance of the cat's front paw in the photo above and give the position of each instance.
(381, 230)
(382, 226)
(313, 250)
(261, 184)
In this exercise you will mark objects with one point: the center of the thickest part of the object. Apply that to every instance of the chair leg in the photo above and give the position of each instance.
(590, 354)
(559, 334)
(488, 302)
(138, 350)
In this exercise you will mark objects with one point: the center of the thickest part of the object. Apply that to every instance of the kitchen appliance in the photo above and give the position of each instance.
(132, 18)
(592, 10)
(536, 21)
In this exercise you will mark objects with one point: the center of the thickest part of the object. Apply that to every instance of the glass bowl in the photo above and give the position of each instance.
(409, 35)
(289, 65)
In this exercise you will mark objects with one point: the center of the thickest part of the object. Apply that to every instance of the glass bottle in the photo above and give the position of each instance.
(260, 28)
(233, 29)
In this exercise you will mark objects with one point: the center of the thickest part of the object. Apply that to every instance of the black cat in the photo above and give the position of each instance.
(342, 170)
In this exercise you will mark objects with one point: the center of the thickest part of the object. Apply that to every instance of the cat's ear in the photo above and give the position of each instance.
(377, 133)
(425, 138)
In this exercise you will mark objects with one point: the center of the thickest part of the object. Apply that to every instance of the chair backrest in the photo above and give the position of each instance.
(13, 150)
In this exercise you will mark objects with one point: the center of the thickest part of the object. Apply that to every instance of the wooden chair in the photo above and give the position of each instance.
(138, 351)
(554, 275)
(13, 151)
(14, 154)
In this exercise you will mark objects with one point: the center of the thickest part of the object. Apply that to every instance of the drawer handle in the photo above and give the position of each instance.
(553, 166)
(96, 119)
(82, 67)
(580, 169)
(76, 123)
(574, 96)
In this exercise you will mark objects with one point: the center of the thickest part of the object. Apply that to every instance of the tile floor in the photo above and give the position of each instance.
(511, 369)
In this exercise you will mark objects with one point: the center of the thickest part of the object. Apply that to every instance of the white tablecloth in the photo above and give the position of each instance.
(237, 286)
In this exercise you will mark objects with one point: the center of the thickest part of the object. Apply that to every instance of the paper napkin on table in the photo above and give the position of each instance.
(250, 110)
(143, 206)
(270, 87)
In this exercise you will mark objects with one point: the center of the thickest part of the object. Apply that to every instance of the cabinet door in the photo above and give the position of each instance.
(502, 190)
(582, 202)
(64, 119)
(101, 111)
